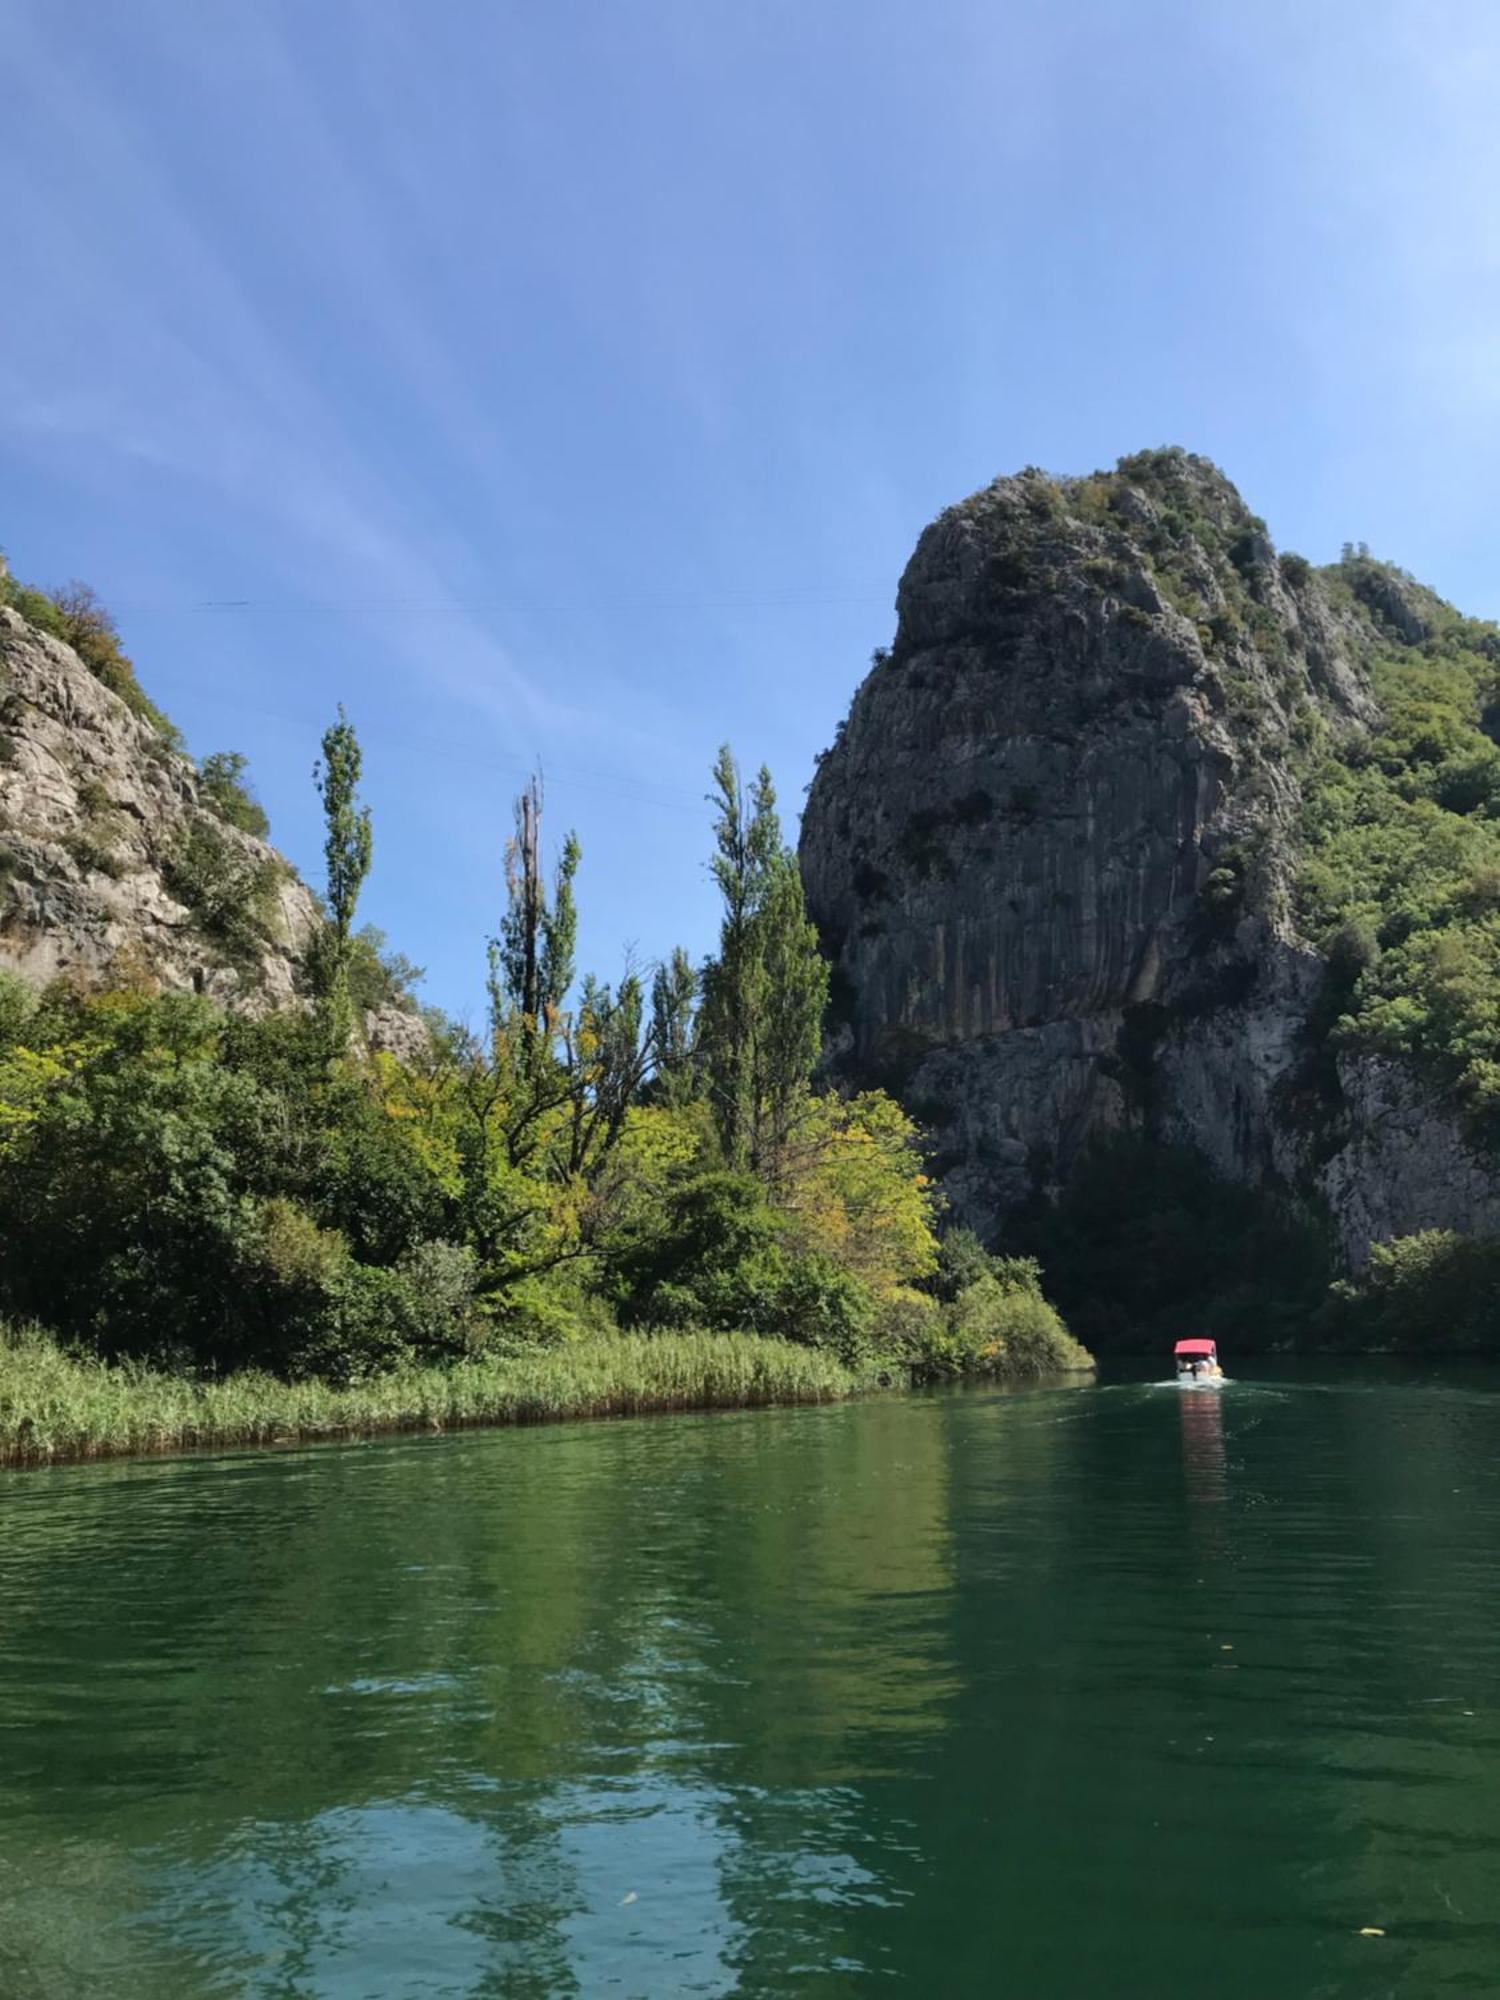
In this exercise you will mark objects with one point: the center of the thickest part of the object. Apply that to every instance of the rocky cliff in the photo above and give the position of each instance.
(121, 863)
(113, 862)
(1054, 853)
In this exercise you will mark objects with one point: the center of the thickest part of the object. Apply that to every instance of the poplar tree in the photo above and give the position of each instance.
(347, 846)
(531, 961)
(674, 990)
(795, 999)
(765, 993)
(531, 965)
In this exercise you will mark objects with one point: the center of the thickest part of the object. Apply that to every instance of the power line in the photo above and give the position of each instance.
(452, 606)
(571, 777)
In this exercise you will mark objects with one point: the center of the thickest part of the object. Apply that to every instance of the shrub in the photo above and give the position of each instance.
(962, 1259)
(910, 1327)
(83, 623)
(537, 1312)
(290, 1248)
(687, 1256)
(378, 975)
(810, 1299)
(1002, 1321)
(321, 1312)
(92, 855)
(1433, 1292)
(18, 1006)
(36, 607)
(222, 782)
(996, 1323)
(123, 1182)
(232, 894)
(367, 1319)
(436, 1300)
(371, 1182)
(716, 1257)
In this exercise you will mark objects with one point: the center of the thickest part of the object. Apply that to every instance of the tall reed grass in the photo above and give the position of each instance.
(60, 1405)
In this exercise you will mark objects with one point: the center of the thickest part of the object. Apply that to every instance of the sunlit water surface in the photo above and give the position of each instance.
(1107, 1691)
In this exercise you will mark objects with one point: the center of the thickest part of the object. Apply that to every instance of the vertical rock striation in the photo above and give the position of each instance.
(1052, 850)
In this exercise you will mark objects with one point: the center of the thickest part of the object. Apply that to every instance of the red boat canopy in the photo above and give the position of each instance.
(1194, 1347)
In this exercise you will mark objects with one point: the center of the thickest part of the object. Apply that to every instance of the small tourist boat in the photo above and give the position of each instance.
(1198, 1364)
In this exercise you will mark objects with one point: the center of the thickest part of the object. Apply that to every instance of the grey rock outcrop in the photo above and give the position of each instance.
(113, 863)
(1052, 850)
(396, 1030)
(118, 866)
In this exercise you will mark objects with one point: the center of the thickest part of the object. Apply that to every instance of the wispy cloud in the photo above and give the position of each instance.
(145, 343)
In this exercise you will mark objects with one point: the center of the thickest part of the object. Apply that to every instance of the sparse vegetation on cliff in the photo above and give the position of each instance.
(74, 614)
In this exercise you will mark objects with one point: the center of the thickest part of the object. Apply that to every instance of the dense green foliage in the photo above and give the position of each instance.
(1431, 1293)
(378, 975)
(765, 993)
(1400, 880)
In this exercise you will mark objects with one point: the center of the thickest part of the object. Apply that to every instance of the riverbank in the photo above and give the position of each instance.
(57, 1406)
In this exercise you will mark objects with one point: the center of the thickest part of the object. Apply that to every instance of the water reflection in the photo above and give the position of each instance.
(518, 1706)
(769, 1704)
(1203, 1462)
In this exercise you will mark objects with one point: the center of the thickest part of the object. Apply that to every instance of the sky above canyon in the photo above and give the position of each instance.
(569, 383)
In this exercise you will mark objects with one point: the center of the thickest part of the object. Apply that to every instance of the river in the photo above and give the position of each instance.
(1108, 1690)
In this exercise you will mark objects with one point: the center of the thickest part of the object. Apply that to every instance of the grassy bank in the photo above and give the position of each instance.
(56, 1405)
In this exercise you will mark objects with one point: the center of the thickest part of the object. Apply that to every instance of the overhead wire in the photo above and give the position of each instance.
(571, 776)
(281, 607)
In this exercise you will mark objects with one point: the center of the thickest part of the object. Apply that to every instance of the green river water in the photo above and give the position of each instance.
(1111, 1691)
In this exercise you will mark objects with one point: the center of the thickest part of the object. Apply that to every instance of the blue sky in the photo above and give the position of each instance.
(570, 382)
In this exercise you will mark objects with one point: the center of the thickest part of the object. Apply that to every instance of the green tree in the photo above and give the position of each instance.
(347, 845)
(606, 1063)
(225, 782)
(795, 993)
(674, 993)
(747, 835)
(531, 966)
(531, 961)
(765, 993)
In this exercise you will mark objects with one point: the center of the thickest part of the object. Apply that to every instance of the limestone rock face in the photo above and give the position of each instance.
(113, 863)
(391, 1029)
(1051, 851)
